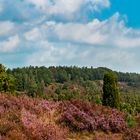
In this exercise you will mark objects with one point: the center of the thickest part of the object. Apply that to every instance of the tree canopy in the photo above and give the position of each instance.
(6, 81)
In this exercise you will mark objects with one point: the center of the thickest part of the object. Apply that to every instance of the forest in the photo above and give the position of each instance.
(31, 78)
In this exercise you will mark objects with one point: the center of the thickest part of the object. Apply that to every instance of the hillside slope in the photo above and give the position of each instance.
(24, 118)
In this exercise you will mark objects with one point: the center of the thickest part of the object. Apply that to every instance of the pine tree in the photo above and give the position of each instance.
(110, 91)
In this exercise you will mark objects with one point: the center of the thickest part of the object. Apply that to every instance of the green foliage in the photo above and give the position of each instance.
(98, 100)
(6, 81)
(130, 120)
(110, 91)
(64, 94)
(93, 91)
(126, 107)
(85, 82)
(26, 75)
(2, 69)
(32, 88)
(130, 103)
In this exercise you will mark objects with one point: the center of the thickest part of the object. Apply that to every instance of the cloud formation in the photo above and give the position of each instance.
(10, 44)
(109, 32)
(6, 27)
(69, 7)
(60, 32)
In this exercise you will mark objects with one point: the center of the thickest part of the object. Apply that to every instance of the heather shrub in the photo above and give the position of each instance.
(24, 118)
(132, 134)
(48, 105)
(81, 116)
(5, 126)
(16, 135)
(2, 137)
(35, 128)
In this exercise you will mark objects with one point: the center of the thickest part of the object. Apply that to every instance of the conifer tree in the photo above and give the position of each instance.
(110, 91)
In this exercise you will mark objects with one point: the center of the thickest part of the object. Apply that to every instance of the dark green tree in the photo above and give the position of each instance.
(40, 88)
(110, 90)
(6, 81)
(32, 87)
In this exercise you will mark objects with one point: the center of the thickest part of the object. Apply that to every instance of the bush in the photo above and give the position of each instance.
(24, 118)
(132, 134)
(83, 116)
(36, 128)
(130, 121)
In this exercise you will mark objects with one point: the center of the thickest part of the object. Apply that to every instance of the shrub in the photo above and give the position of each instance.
(24, 118)
(83, 116)
(36, 129)
(132, 134)
(130, 121)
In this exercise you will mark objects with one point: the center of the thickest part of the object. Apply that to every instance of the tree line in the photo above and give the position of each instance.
(33, 79)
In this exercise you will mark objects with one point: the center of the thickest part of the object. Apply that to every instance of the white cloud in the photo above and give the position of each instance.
(38, 3)
(97, 5)
(111, 35)
(68, 7)
(89, 33)
(111, 32)
(71, 54)
(128, 42)
(49, 54)
(113, 57)
(1, 7)
(6, 27)
(10, 44)
(33, 35)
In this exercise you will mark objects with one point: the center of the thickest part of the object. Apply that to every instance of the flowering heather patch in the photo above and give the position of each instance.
(36, 129)
(2, 110)
(82, 116)
(132, 134)
(49, 105)
(22, 118)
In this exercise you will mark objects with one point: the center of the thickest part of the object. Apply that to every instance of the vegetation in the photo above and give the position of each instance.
(67, 104)
(34, 79)
(6, 81)
(67, 83)
(84, 116)
(110, 91)
(24, 118)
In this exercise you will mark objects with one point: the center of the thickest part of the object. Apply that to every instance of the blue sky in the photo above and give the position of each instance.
(70, 32)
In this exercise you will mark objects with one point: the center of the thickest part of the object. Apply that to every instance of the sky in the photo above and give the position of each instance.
(98, 33)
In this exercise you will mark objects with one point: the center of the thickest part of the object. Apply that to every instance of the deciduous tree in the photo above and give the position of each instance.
(6, 81)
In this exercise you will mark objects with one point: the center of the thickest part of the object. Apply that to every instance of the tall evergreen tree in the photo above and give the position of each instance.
(110, 91)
